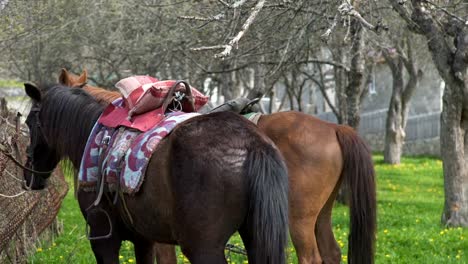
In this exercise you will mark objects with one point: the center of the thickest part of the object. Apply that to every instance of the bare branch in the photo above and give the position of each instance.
(235, 5)
(398, 6)
(224, 3)
(332, 63)
(209, 19)
(325, 36)
(238, 3)
(227, 50)
(346, 9)
(322, 90)
(209, 48)
(448, 13)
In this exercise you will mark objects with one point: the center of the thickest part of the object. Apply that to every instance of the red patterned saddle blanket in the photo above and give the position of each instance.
(121, 154)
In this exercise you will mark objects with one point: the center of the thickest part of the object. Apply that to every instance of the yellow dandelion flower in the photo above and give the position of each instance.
(120, 257)
(130, 261)
(387, 255)
(39, 250)
(385, 231)
(457, 257)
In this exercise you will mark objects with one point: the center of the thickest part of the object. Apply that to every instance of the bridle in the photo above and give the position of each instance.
(30, 150)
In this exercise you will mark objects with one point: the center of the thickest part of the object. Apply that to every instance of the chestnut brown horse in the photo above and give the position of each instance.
(319, 156)
(184, 199)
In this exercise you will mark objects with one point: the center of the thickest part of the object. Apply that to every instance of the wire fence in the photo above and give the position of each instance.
(24, 215)
(418, 127)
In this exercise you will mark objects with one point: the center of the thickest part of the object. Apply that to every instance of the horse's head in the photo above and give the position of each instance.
(69, 79)
(41, 158)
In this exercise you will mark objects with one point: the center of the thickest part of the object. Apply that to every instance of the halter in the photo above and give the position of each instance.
(29, 152)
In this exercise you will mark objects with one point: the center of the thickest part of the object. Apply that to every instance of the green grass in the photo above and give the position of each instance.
(410, 202)
(10, 84)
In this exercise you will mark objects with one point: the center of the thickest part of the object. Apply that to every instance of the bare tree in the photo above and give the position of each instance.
(444, 24)
(402, 59)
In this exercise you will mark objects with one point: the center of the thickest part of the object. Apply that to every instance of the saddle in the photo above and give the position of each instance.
(146, 100)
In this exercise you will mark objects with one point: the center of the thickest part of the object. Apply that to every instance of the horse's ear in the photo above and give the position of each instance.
(32, 91)
(83, 77)
(63, 77)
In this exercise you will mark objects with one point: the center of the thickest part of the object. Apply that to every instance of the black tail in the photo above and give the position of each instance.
(268, 209)
(358, 172)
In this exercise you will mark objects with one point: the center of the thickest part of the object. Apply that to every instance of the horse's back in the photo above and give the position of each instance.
(302, 135)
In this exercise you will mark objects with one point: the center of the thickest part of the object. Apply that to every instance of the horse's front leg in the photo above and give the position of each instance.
(106, 251)
(146, 251)
(105, 238)
(165, 253)
(103, 228)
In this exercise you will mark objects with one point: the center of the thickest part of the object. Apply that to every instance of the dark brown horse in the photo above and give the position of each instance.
(211, 176)
(319, 156)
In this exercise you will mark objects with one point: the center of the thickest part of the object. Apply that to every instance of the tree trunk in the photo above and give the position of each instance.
(401, 96)
(394, 128)
(395, 123)
(228, 83)
(260, 86)
(355, 76)
(454, 151)
(340, 87)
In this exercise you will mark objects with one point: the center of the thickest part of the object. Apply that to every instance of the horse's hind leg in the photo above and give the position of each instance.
(204, 254)
(302, 230)
(304, 207)
(246, 235)
(205, 245)
(329, 249)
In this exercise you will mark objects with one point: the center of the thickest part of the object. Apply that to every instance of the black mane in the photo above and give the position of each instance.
(69, 114)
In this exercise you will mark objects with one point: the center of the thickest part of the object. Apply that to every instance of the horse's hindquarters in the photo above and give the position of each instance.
(204, 181)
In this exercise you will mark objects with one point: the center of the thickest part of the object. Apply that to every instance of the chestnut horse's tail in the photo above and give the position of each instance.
(358, 173)
(267, 220)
